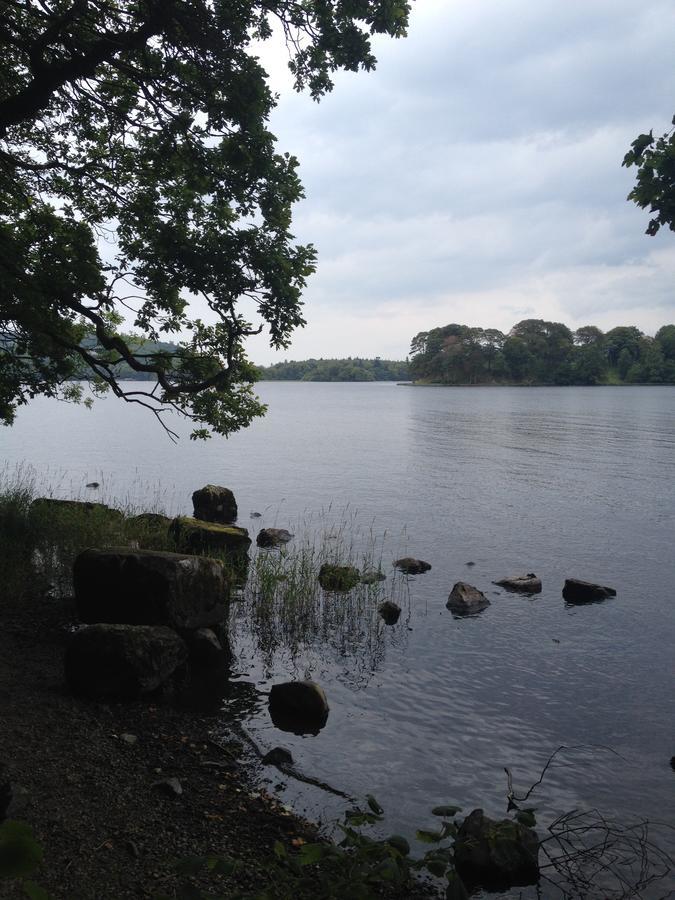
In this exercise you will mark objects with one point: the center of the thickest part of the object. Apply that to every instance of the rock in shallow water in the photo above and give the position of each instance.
(272, 537)
(488, 851)
(523, 584)
(411, 566)
(338, 578)
(465, 599)
(389, 611)
(213, 503)
(576, 591)
(298, 706)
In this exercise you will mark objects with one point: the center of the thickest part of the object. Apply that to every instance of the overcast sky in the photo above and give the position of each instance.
(476, 177)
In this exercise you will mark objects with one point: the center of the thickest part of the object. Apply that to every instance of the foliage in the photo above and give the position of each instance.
(540, 352)
(138, 175)
(349, 369)
(655, 177)
(20, 856)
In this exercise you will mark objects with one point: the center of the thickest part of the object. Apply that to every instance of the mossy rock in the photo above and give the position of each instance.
(496, 852)
(52, 507)
(214, 503)
(197, 536)
(338, 578)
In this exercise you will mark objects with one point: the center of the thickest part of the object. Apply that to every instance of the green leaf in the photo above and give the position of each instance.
(429, 837)
(437, 867)
(280, 850)
(374, 805)
(20, 853)
(448, 811)
(221, 866)
(398, 842)
(455, 889)
(34, 892)
(449, 830)
(311, 854)
(526, 817)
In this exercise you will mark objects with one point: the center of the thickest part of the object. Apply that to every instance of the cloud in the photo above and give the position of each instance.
(476, 175)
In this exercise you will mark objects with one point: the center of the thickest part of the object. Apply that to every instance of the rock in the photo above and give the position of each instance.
(576, 591)
(93, 484)
(6, 793)
(214, 504)
(389, 611)
(372, 576)
(256, 515)
(151, 521)
(489, 852)
(411, 566)
(129, 739)
(272, 537)
(298, 706)
(672, 765)
(338, 578)
(122, 661)
(147, 587)
(465, 599)
(204, 647)
(278, 756)
(68, 508)
(195, 536)
(169, 786)
(524, 584)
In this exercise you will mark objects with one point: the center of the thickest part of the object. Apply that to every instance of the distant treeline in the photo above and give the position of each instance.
(539, 352)
(350, 369)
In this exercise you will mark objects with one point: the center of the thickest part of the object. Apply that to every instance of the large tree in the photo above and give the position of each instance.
(138, 175)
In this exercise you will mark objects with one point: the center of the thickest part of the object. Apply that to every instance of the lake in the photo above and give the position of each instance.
(564, 482)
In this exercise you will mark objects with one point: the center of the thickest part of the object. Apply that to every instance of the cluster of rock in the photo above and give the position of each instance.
(147, 613)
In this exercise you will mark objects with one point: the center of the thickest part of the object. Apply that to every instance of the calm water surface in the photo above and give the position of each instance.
(560, 481)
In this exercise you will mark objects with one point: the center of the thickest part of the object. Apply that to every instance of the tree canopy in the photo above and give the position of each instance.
(137, 174)
(351, 369)
(540, 352)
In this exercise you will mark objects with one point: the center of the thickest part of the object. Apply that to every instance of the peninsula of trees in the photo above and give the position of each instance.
(539, 352)
(350, 369)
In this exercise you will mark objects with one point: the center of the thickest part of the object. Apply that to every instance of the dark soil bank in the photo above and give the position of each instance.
(86, 778)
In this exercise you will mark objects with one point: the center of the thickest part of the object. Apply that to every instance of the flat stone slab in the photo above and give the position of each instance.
(122, 661)
(146, 587)
(197, 536)
(576, 591)
(522, 584)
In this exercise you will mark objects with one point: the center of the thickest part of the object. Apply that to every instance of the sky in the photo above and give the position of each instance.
(475, 176)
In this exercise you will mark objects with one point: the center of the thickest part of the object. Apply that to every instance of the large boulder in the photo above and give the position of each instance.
(147, 587)
(576, 591)
(335, 578)
(298, 706)
(273, 537)
(215, 504)
(122, 661)
(411, 566)
(195, 536)
(523, 584)
(496, 852)
(465, 599)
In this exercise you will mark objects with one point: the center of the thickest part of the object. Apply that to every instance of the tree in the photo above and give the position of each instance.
(137, 175)
(655, 177)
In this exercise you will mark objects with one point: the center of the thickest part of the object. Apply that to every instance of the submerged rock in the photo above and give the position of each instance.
(389, 611)
(122, 661)
(278, 756)
(338, 578)
(411, 566)
(523, 584)
(213, 503)
(465, 599)
(501, 852)
(272, 537)
(576, 591)
(298, 706)
(195, 536)
(148, 587)
(372, 576)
